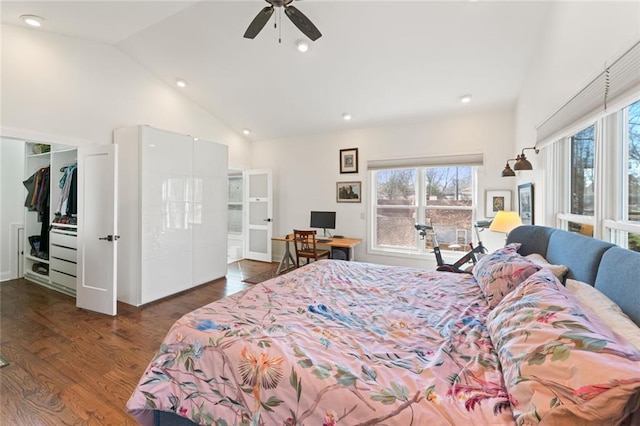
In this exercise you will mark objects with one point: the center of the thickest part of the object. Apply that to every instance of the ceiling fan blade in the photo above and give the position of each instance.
(258, 22)
(302, 22)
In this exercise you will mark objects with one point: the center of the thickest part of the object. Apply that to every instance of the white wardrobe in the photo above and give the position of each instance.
(172, 213)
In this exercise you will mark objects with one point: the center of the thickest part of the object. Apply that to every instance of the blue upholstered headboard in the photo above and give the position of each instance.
(612, 270)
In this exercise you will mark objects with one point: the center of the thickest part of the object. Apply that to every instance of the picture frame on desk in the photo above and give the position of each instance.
(349, 192)
(349, 160)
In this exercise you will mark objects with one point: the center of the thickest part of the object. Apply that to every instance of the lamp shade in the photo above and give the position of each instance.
(522, 163)
(505, 221)
(508, 171)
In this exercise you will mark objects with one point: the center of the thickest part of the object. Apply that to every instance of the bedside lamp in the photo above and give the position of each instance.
(505, 221)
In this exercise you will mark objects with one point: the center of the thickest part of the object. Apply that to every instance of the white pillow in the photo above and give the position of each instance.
(558, 270)
(606, 309)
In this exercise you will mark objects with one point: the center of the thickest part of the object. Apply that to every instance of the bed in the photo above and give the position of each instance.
(351, 343)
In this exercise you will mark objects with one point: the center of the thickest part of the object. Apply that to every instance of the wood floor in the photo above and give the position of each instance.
(73, 367)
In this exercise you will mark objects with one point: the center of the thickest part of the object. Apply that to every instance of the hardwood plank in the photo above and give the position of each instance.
(70, 366)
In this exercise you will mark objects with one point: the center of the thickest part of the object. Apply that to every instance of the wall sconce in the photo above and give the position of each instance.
(508, 171)
(521, 160)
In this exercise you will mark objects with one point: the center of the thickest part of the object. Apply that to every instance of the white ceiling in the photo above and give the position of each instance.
(383, 62)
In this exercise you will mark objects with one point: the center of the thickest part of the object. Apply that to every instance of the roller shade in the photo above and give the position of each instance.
(614, 88)
(434, 161)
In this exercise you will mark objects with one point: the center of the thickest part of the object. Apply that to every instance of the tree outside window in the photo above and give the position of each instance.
(439, 196)
(582, 175)
(633, 210)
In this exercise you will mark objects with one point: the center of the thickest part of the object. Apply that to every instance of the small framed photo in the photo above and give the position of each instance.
(496, 201)
(349, 160)
(348, 192)
(525, 203)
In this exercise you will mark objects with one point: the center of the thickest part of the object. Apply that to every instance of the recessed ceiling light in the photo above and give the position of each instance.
(302, 45)
(181, 83)
(32, 20)
(465, 99)
(246, 131)
(346, 116)
(196, 139)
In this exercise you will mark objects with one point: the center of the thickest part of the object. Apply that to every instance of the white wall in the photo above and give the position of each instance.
(12, 196)
(578, 39)
(77, 89)
(306, 169)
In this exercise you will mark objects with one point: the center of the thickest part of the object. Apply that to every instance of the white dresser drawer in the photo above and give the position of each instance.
(65, 240)
(64, 253)
(62, 279)
(63, 266)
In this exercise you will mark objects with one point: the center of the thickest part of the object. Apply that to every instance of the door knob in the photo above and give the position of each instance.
(267, 219)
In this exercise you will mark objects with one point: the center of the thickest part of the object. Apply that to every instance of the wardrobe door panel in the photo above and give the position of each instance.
(161, 188)
(165, 275)
(210, 159)
(164, 151)
(168, 231)
(210, 211)
(209, 263)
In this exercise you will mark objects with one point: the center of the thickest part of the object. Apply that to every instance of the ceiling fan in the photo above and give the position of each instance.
(298, 18)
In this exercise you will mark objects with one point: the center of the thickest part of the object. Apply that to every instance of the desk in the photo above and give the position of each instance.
(288, 261)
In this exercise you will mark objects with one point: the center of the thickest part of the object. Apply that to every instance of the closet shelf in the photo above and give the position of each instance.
(63, 225)
(41, 155)
(37, 259)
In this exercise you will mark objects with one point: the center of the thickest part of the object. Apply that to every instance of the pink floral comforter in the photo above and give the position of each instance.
(333, 343)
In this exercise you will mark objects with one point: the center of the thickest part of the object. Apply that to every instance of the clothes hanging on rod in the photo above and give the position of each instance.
(38, 191)
(38, 200)
(68, 200)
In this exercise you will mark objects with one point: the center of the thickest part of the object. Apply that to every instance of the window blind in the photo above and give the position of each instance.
(432, 161)
(617, 86)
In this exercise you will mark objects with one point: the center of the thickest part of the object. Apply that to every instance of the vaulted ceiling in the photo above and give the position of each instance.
(383, 62)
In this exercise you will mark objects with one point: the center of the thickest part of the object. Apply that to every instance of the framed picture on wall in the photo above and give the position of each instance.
(496, 201)
(348, 192)
(525, 203)
(349, 160)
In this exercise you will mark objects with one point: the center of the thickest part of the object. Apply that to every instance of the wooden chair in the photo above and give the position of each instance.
(305, 244)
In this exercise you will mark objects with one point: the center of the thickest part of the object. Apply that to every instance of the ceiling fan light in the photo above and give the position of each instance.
(302, 45)
(32, 20)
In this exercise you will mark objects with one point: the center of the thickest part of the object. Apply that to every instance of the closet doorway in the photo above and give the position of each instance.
(235, 239)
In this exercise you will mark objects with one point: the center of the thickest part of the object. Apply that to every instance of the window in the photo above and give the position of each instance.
(633, 161)
(439, 196)
(632, 142)
(601, 201)
(582, 178)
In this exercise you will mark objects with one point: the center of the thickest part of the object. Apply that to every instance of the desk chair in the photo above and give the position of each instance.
(305, 244)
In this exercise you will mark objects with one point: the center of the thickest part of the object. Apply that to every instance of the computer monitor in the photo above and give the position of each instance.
(323, 220)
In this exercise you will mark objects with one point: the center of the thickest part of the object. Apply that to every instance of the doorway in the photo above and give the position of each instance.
(235, 246)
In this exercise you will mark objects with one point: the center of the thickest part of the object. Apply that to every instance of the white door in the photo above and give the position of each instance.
(97, 228)
(259, 217)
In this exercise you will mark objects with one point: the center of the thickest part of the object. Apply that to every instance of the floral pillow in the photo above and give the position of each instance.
(561, 364)
(501, 271)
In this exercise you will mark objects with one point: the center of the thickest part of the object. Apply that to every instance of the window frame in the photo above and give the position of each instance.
(420, 205)
(611, 190)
